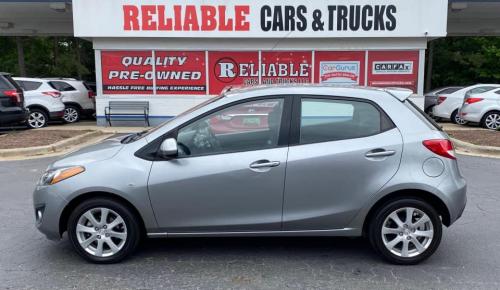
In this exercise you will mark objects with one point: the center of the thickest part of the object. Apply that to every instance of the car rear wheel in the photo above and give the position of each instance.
(37, 119)
(455, 118)
(491, 120)
(71, 114)
(103, 231)
(406, 231)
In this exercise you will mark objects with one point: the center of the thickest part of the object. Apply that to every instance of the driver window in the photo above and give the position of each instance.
(248, 126)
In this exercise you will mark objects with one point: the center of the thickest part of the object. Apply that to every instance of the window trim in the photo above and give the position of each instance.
(297, 114)
(150, 151)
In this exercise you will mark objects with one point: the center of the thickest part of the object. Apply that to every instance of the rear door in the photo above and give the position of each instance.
(343, 151)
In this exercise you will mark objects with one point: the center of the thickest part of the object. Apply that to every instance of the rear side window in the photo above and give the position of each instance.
(4, 84)
(323, 120)
(449, 91)
(62, 86)
(29, 85)
(479, 90)
(423, 116)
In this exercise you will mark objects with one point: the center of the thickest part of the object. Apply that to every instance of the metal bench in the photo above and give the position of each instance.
(127, 108)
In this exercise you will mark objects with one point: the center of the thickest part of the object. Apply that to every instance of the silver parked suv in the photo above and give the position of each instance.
(302, 160)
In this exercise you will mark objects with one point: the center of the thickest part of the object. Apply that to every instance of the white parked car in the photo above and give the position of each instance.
(77, 96)
(482, 108)
(448, 105)
(43, 101)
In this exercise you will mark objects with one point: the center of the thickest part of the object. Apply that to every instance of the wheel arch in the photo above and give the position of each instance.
(39, 107)
(68, 209)
(426, 196)
(74, 104)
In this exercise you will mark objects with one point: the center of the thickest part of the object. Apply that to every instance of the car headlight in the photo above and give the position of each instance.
(54, 176)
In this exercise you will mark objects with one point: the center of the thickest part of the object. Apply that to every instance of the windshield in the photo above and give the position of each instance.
(140, 135)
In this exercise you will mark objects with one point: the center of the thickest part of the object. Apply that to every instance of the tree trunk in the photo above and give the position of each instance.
(55, 51)
(430, 60)
(20, 56)
(78, 58)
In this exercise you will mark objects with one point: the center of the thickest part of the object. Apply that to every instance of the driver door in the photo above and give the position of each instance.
(230, 172)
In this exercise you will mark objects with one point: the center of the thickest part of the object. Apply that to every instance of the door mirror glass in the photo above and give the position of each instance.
(168, 148)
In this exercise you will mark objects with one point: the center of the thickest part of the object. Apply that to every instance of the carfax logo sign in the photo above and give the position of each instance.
(392, 67)
(339, 72)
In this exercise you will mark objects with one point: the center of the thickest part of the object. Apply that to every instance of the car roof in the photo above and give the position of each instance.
(399, 93)
(28, 79)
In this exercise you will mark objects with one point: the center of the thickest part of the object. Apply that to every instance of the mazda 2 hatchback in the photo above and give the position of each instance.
(266, 161)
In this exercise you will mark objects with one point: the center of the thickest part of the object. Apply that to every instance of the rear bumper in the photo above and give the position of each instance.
(441, 112)
(13, 115)
(58, 115)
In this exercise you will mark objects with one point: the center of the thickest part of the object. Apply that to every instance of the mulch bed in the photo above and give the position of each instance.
(33, 138)
(477, 137)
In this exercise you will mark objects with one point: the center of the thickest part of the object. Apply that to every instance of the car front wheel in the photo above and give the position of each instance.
(103, 230)
(406, 231)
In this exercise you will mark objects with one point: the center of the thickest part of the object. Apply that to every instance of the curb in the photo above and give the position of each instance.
(476, 149)
(48, 149)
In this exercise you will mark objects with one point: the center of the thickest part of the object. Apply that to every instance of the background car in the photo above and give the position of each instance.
(12, 110)
(482, 108)
(432, 97)
(77, 96)
(448, 105)
(44, 103)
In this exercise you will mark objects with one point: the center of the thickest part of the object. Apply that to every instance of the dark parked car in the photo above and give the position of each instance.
(12, 109)
(432, 97)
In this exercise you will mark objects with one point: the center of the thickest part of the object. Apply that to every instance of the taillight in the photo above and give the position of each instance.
(14, 95)
(441, 147)
(441, 99)
(91, 94)
(473, 100)
(52, 94)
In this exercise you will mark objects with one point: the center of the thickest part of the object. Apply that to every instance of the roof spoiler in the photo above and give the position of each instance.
(400, 93)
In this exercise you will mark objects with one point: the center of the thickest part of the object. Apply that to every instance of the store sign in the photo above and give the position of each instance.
(260, 18)
(340, 67)
(393, 69)
(181, 73)
(232, 68)
(286, 67)
(127, 72)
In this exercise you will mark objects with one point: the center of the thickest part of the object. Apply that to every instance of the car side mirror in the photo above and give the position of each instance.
(168, 148)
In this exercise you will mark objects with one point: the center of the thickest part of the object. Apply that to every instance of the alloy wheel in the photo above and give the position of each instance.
(101, 232)
(492, 121)
(407, 232)
(70, 115)
(37, 120)
(459, 120)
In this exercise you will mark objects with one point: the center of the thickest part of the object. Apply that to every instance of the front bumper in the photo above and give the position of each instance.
(52, 206)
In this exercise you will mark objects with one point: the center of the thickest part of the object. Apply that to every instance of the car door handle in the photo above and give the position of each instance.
(264, 164)
(380, 153)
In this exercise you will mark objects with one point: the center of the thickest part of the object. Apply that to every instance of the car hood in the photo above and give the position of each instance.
(104, 150)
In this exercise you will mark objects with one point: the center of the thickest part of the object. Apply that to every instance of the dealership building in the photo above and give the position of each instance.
(176, 54)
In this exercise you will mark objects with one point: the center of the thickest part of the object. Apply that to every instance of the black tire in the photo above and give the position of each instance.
(483, 120)
(454, 118)
(72, 114)
(131, 221)
(34, 116)
(375, 230)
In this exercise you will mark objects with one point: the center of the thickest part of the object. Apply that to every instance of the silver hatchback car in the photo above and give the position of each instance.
(304, 160)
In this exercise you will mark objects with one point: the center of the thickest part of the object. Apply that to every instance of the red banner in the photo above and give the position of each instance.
(339, 67)
(127, 72)
(393, 69)
(231, 68)
(286, 67)
(180, 73)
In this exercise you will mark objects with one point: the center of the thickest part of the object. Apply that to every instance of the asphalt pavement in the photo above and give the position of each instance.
(468, 257)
